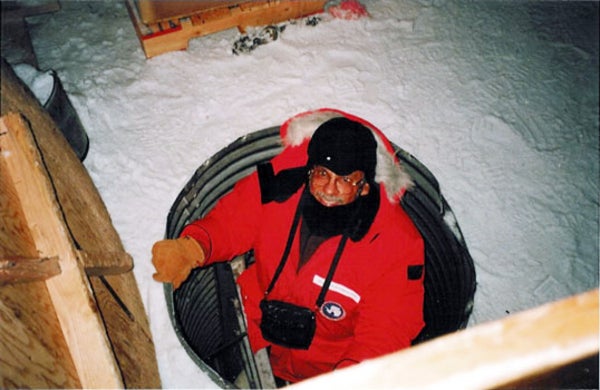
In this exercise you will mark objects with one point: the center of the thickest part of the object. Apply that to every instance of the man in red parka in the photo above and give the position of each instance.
(338, 276)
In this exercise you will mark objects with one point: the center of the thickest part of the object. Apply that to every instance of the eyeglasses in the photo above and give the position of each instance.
(321, 176)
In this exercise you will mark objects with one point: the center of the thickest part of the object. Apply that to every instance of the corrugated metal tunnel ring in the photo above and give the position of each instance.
(205, 310)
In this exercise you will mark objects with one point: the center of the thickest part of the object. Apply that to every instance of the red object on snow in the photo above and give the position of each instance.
(348, 9)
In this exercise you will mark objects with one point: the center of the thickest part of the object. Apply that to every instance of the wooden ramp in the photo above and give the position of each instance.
(163, 26)
(71, 312)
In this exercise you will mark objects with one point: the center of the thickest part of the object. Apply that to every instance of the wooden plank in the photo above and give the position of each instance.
(152, 11)
(105, 263)
(15, 237)
(76, 310)
(157, 39)
(261, 15)
(33, 351)
(91, 228)
(486, 356)
(128, 329)
(23, 269)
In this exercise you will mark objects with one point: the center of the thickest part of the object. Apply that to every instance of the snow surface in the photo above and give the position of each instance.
(499, 99)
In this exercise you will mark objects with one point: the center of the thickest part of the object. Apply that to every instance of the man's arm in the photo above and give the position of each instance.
(230, 227)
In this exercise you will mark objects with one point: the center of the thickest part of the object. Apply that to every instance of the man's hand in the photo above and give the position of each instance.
(174, 259)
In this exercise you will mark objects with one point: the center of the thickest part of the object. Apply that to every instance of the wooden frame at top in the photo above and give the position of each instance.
(163, 27)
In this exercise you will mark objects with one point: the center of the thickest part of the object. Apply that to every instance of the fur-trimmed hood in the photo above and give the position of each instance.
(388, 172)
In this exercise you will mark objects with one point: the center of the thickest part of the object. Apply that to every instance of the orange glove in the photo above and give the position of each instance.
(174, 259)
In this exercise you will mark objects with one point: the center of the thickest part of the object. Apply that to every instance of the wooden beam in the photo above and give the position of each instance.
(105, 263)
(485, 356)
(69, 291)
(153, 11)
(91, 228)
(19, 269)
(33, 350)
(22, 269)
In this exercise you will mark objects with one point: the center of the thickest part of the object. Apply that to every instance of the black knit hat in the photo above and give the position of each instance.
(343, 146)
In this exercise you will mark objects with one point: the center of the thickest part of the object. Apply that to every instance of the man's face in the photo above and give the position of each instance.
(332, 190)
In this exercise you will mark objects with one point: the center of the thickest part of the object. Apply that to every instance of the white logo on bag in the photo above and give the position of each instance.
(333, 311)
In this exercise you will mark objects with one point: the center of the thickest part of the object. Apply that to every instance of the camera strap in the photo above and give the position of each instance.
(334, 263)
(286, 252)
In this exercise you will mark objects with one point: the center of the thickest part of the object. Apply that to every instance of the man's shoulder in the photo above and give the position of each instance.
(392, 219)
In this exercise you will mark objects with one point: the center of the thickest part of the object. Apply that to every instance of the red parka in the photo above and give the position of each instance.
(374, 304)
